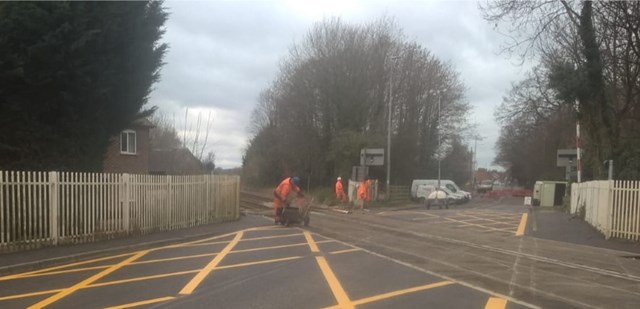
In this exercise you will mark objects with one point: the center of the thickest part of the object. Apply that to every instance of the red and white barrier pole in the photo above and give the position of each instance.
(579, 157)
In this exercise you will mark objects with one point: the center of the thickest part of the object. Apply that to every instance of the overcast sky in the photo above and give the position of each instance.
(223, 53)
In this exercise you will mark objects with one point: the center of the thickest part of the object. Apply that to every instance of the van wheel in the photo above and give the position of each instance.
(422, 201)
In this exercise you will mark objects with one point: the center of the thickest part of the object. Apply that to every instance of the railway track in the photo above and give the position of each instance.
(254, 201)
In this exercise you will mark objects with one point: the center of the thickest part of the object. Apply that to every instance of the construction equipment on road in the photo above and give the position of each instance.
(296, 213)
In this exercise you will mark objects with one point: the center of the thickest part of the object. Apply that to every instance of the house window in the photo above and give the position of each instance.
(128, 142)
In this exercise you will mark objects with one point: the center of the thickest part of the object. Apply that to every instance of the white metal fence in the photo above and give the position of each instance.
(612, 207)
(44, 208)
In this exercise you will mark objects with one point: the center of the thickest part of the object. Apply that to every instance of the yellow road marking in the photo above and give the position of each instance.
(485, 219)
(193, 284)
(334, 284)
(195, 241)
(336, 288)
(312, 243)
(143, 302)
(344, 251)
(178, 273)
(165, 260)
(84, 283)
(260, 262)
(259, 228)
(29, 294)
(523, 224)
(277, 247)
(174, 258)
(271, 237)
(400, 292)
(64, 271)
(62, 266)
(496, 303)
(204, 244)
(472, 224)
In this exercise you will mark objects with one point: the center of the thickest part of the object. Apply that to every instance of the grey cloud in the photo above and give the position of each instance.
(223, 53)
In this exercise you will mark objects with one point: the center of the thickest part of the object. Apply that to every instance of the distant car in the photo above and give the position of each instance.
(452, 187)
(461, 196)
(485, 186)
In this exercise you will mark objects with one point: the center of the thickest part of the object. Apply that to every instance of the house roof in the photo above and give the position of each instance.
(174, 162)
(143, 122)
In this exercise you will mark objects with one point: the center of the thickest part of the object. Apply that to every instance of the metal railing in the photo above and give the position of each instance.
(612, 207)
(49, 208)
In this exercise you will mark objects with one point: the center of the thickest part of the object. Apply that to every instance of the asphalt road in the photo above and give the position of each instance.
(262, 267)
(477, 255)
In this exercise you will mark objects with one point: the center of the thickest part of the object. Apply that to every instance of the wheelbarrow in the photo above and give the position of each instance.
(296, 212)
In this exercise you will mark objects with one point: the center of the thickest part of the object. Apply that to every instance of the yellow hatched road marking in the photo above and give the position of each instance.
(345, 251)
(485, 219)
(312, 244)
(400, 292)
(277, 247)
(193, 284)
(62, 266)
(523, 224)
(496, 303)
(472, 224)
(50, 273)
(336, 288)
(179, 273)
(204, 244)
(86, 282)
(29, 294)
(260, 262)
(334, 284)
(142, 303)
(174, 258)
(271, 237)
(196, 241)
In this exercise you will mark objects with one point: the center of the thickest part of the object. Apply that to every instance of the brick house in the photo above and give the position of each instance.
(174, 162)
(129, 151)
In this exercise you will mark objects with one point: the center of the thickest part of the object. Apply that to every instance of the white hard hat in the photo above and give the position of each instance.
(339, 178)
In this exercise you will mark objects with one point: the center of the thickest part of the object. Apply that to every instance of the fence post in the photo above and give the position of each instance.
(170, 213)
(207, 184)
(237, 204)
(125, 202)
(53, 207)
(609, 209)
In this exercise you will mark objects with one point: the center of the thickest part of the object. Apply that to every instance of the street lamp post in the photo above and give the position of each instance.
(439, 139)
(389, 126)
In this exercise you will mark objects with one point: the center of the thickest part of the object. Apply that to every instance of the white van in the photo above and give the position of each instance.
(457, 193)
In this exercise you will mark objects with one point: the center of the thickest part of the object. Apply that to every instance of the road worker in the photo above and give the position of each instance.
(363, 193)
(282, 192)
(340, 190)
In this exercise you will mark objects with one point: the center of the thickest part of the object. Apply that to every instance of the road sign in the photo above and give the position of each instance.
(566, 157)
(372, 157)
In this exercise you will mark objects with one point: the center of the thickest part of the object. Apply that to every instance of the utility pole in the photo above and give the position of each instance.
(393, 64)
(439, 138)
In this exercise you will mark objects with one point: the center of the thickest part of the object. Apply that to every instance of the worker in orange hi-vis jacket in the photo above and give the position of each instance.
(363, 192)
(281, 192)
(340, 190)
